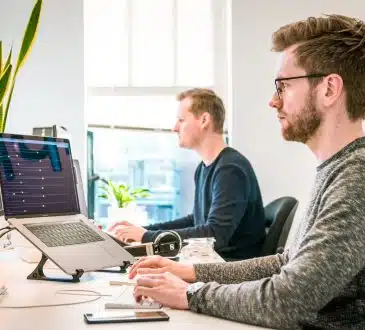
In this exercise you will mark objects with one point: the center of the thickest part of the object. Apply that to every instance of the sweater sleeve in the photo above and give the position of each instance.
(239, 271)
(328, 257)
(184, 222)
(229, 201)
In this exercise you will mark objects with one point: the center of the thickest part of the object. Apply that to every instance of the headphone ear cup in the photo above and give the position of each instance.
(167, 244)
(178, 240)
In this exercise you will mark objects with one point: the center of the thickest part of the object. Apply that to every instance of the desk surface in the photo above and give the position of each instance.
(13, 271)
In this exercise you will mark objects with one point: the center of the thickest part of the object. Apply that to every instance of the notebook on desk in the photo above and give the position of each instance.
(40, 200)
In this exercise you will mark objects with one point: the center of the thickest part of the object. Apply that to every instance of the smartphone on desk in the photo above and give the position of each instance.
(125, 316)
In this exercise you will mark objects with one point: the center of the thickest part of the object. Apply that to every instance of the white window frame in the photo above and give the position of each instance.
(221, 44)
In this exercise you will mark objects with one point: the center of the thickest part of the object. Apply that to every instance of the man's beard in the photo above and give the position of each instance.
(303, 126)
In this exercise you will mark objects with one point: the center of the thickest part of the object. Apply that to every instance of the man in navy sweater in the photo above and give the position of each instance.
(228, 204)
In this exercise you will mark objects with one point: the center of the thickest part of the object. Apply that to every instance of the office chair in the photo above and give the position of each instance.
(279, 216)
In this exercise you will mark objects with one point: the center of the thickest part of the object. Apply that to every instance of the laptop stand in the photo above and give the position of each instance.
(38, 273)
(121, 269)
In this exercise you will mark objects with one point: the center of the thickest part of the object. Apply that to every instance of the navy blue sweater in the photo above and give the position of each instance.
(227, 206)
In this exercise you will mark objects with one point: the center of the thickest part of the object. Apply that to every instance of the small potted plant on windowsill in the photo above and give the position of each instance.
(123, 202)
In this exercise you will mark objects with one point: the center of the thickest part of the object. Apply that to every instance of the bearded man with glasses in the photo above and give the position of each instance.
(319, 282)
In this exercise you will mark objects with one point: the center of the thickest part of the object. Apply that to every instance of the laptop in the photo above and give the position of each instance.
(40, 200)
(80, 188)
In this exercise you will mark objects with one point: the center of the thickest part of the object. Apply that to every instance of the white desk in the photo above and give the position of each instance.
(13, 271)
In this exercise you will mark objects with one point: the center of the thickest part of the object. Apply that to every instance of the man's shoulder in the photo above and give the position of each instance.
(233, 158)
(352, 156)
(198, 170)
(345, 176)
(353, 164)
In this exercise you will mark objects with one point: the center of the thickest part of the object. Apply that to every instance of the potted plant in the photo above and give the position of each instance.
(8, 73)
(123, 202)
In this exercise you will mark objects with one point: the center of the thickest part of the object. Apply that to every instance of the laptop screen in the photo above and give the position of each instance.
(37, 177)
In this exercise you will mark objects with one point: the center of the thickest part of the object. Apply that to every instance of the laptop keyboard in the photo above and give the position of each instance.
(64, 233)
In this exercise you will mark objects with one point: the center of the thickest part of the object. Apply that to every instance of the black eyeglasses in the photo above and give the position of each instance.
(279, 90)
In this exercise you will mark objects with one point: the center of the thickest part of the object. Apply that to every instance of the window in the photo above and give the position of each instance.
(145, 159)
(138, 55)
(147, 111)
(153, 42)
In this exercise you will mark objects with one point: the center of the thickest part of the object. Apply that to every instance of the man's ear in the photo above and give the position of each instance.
(205, 120)
(333, 89)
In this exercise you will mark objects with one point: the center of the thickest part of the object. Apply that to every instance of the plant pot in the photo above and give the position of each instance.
(131, 213)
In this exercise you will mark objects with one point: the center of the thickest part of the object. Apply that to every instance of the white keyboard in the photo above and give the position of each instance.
(126, 301)
(143, 305)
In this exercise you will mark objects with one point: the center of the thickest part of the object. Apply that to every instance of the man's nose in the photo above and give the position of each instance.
(276, 102)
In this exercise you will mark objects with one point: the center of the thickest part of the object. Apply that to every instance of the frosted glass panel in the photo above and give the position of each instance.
(106, 42)
(195, 43)
(136, 111)
(152, 43)
(149, 28)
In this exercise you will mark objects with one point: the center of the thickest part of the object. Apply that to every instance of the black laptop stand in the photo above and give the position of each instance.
(38, 274)
(120, 269)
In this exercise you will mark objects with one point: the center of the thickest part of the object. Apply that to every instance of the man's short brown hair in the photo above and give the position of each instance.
(330, 44)
(205, 100)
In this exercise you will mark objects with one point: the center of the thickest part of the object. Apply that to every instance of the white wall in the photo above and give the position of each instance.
(283, 168)
(50, 87)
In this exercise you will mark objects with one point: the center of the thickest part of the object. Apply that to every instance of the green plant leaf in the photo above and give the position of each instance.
(2, 121)
(106, 191)
(121, 193)
(123, 187)
(4, 82)
(30, 34)
(104, 196)
(1, 56)
(5, 110)
(8, 60)
(116, 192)
(27, 43)
(143, 195)
(105, 188)
(141, 192)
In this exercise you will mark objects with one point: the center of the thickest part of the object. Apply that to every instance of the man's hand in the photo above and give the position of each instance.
(160, 265)
(125, 231)
(166, 289)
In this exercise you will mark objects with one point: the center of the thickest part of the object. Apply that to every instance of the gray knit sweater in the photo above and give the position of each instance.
(320, 281)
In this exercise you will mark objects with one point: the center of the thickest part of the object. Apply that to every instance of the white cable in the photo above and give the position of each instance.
(94, 294)
(122, 293)
(79, 293)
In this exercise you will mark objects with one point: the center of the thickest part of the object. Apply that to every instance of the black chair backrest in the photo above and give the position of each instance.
(280, 246)
(279, 216)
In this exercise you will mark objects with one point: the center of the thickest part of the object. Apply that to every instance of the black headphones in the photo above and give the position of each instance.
(167, 244)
